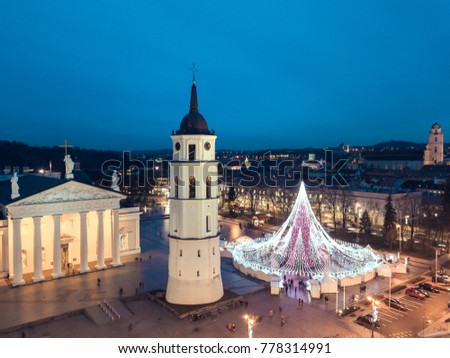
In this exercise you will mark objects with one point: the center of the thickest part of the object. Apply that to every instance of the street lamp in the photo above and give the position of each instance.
(249, 325)
(374, 311)
(399, 239)
(436, 265)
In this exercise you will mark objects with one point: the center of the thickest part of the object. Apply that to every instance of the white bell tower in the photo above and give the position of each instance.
(194, 257)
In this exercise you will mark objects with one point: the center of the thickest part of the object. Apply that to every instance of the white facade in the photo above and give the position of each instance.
(434, 152)
(63, 229)
(194, 257)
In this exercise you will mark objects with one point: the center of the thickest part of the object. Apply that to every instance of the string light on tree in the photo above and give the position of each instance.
(302, 247)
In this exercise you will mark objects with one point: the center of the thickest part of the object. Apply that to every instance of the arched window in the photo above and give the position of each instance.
(176, 187)
(192, 184)
(208, 187)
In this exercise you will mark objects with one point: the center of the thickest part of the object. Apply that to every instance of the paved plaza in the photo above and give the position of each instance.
(69, 307)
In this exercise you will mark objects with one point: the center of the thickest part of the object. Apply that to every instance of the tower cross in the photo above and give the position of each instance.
(193, 69)
(65, 146)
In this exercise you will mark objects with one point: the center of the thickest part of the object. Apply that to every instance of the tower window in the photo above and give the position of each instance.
(208, 187)
(435, 149)
(214, 251)
(192, 184)
(181, 253)
(176, 187)
(435, 139)
(179, 272)
(208, 223)
(198, 273)
(198, 253)
(214, 270)
(191, 151)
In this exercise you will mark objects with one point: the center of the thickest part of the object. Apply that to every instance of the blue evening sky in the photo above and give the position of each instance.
(110, 74)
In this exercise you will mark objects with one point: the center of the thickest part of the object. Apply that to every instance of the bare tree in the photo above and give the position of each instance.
(317, 201)
(346, 201)
(331, 200)
(414, 204)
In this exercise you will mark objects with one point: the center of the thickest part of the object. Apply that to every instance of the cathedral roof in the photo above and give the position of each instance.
(31, 184)
(193, 122)
(436, 125)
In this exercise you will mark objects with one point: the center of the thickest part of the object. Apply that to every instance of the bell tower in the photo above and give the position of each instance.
(194, 256)
(434, 151)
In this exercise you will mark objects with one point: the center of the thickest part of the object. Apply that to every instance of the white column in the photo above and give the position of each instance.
(116, 238)
(57, 246)
(100, 242)
(84, 267)
(37, 250)
(17, 253)
(5, 254)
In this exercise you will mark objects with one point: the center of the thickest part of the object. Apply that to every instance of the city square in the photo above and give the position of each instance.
(208, 174)
(55, 309)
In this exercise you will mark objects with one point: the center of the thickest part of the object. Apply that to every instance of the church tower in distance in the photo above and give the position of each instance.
(434, 151)
(194, 256)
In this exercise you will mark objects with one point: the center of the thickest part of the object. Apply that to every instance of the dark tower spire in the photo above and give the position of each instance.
(194, 101)
(193, 122)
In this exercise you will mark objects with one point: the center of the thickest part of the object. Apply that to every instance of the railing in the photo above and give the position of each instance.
(109, 310)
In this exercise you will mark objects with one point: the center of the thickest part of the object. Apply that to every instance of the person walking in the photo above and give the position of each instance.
(270, 313)
(282, 321)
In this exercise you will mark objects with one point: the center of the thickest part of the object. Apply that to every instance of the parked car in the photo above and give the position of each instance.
(394, 303)
(414, 293)
(425, 293)
(429, 287)
(443, 279)
(368, 320)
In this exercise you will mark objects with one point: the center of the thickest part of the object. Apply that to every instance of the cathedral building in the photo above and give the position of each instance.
(194, 257)
(53, 227)
(434, 151)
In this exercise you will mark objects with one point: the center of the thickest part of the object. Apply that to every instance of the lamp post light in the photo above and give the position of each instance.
(436, 265)
(374, 312)
(399, 231)
(249, 325)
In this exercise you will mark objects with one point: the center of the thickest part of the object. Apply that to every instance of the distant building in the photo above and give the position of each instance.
(393, 160)
(434, 151)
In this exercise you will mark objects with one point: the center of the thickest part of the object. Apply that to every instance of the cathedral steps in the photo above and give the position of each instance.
(107, 312)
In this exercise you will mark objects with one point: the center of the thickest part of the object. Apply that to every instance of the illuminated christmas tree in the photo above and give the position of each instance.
(302, 247)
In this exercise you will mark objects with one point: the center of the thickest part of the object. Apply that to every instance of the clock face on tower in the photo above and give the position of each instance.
(177, 146)
(207, 146)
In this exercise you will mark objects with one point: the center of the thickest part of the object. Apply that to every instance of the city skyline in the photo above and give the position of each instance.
(116, 76)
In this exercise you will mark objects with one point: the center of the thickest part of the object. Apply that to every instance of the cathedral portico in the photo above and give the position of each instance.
(62, 229)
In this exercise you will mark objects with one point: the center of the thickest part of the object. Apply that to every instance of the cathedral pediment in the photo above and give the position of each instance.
(68, 192)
